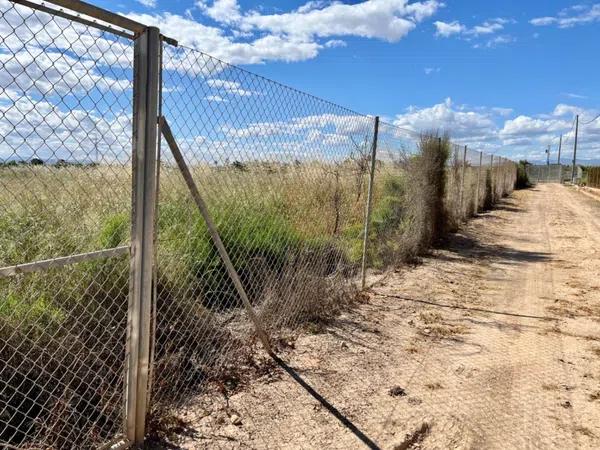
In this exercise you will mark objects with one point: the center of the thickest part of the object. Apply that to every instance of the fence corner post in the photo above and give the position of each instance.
(368, 208)
(144, 186)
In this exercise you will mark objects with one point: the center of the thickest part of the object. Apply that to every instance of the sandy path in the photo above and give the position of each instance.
(491, 343)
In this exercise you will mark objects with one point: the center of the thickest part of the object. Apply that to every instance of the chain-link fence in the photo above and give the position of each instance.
(145, 268)
(65, 207)
(593, 177)
(548, 173)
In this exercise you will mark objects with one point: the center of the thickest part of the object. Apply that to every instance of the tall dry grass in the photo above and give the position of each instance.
(293, 231)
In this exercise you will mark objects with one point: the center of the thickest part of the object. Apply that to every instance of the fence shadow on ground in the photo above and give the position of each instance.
(469, 247)
(466, 308)
(323, 401)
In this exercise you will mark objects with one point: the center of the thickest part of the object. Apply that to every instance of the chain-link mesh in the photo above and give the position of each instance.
(65, 189)
(285, 176)
(593, 177)
(548, 173)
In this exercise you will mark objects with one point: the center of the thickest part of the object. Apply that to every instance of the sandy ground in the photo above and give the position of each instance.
(493, 342)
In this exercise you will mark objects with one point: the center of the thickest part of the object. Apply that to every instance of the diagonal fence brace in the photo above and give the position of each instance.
(212, 230)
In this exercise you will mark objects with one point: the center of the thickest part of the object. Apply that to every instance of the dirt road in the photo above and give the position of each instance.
(493, 342)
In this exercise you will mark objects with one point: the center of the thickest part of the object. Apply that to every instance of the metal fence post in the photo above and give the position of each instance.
(478, 182)
(462, 182)
(145, 144)
(492, 179)
(369, 204)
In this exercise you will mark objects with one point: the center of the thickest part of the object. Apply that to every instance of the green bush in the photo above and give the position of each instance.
(522, 181)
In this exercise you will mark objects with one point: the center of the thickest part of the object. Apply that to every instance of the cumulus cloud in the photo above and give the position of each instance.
(494, 128)
(465, 126)
(388, 20)
(531, 127)
(252, 37)
(535, 133)
(570, 17)
(216, 42)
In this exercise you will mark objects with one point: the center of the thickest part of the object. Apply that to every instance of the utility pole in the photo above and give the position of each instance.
(575, 149)
(548, 155)
(559, 148)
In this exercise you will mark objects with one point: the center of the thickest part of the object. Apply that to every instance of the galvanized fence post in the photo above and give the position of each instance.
(144, 159)
(369, 204)
(462, 182)
(478, 183)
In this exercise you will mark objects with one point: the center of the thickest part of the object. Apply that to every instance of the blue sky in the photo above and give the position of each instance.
(500, 76)
(495, 73)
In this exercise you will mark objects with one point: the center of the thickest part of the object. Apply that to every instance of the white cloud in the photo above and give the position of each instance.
(224, 11)
(388, 20)
(341, 124)
(530, 127)
(333, 43)
(52, 72)
(526, 132)
(147, 3)
(493, 128)
(309, 6)
(496, 41)
(487, 28)
(573, 95)
(252, 37)
(504, 112)
(447, 29)
(465, 126)
(542, 21)
(229, 87)
(215, 42)
(215, 98)
(38, 128)
(562, 110)
(570, 17)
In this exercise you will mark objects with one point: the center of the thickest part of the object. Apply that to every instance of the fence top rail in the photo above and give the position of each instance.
(89, 14)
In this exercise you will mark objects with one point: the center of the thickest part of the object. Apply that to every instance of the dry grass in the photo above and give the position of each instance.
(294, 233)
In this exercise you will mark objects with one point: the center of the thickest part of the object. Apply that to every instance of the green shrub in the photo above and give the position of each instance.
(522, 181)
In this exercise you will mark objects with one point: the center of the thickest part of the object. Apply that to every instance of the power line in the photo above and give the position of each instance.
(568, 135)
(587, 123)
